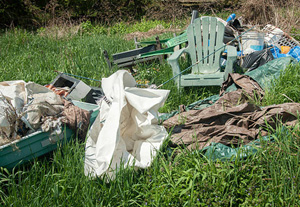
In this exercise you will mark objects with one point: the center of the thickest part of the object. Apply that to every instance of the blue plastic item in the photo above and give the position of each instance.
(277, 53)
(294, 52)
(231, 17)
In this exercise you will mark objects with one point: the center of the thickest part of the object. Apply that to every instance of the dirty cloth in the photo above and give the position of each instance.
(77, 119)
(126, 130)
(27, 107)
(42, 102)
(233, 125)
(244, 82)
(12, 99)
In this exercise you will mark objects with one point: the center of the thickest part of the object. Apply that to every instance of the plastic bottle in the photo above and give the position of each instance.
(231, 17)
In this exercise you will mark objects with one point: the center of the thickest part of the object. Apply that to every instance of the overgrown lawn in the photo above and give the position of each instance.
(177, 177)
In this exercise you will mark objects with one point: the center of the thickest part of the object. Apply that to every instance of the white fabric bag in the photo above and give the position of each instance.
(125, 131)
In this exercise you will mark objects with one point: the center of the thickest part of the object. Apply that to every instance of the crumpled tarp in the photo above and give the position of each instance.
(126, 130)
(232, 120)
(218, 151)
(233, 125)
(263, 75)
(294, 52)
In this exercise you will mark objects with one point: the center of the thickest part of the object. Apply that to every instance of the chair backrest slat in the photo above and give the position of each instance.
(191, 41)
(219, 43)
(205, 36)
(199, 40)
(212, 40)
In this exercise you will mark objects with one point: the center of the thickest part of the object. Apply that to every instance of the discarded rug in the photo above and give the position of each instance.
(126, 130)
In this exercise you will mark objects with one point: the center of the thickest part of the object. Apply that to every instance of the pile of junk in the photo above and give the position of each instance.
(120, 122)
(34, 119)
(255, 45)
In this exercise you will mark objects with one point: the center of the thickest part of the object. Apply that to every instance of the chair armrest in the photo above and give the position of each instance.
(173, 60)
(231, 51)
(175, 55)
(231, 57)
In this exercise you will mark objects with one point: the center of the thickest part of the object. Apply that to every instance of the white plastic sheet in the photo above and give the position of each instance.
(125, 131)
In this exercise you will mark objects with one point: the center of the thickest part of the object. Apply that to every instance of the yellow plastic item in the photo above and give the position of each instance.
(285, 49)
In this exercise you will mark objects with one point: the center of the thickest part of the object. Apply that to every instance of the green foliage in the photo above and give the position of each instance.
(125, 28)
(284, 89)
(33, 14)
(88, 28)
(296, 33)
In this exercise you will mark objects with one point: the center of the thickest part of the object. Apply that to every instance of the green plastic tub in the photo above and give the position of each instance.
(38, 143)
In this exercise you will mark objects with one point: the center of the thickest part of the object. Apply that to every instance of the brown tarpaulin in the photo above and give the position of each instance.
(232, 119)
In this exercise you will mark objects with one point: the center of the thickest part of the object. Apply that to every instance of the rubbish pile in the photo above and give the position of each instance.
(231, 118)
(34, 118)
(28, 107)
(124, 122)
(124, 119)
(260, 46)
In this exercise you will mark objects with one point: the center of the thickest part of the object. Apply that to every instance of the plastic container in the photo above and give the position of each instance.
(252, 41)
(78, 89)
(39, 143)
(276, 37)
(273, 34)
(285, 49)
(231, 17)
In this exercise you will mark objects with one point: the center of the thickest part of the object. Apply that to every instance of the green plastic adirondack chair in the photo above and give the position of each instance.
(205, 37)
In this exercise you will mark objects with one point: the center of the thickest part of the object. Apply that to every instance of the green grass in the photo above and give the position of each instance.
(32, 57)
(177, 177)
(284, 89)
(270, 177)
